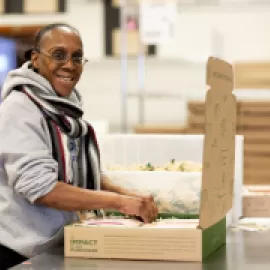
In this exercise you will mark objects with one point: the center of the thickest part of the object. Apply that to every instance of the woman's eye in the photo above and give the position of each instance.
(59, 55)
(77, 59)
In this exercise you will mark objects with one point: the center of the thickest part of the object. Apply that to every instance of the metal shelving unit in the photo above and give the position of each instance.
(132, 7)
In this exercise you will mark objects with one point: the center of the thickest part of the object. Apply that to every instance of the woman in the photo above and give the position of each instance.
(49, 156)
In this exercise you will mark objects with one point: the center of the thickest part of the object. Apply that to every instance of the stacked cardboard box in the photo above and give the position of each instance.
(253, 121)
(256, 201)
(252, 75)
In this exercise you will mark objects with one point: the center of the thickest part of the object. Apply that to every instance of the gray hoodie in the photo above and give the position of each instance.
(27, 169)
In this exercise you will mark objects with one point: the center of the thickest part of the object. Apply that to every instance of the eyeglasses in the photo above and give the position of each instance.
(62, 57)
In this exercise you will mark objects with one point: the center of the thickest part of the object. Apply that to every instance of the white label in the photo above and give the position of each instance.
(157, 21)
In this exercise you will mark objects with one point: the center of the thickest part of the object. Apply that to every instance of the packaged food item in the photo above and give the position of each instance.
(174, 192)
(127, 222)
(172, 165)
(173, 223)
(110, 222)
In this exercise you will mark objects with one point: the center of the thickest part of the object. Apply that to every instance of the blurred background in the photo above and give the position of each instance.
(147, 62)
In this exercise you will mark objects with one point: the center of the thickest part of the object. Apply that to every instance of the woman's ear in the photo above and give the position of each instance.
(35, 59)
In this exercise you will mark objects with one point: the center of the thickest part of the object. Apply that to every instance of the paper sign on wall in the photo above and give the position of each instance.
(157, 21)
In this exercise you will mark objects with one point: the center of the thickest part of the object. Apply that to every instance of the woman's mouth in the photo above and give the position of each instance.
(65, 78)
(63, 83)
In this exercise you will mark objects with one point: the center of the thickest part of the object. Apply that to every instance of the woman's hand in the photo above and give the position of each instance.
(150, 207)
(134, 203)
(143, 207)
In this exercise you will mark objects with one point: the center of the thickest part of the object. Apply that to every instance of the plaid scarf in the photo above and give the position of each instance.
(65, 124)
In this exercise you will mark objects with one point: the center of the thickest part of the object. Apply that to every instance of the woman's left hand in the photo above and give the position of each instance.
(150, 207)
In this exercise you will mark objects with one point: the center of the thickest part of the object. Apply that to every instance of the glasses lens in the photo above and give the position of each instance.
(77, 60)
(59, 56)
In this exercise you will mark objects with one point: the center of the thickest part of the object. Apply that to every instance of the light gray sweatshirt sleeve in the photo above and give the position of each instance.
(25, 150)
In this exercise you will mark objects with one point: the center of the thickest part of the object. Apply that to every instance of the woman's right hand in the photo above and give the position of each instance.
(141, 207)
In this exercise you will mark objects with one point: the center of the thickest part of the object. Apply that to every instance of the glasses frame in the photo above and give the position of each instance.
(61, 62)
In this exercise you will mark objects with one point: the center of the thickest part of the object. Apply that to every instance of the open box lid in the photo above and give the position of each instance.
(219, 144)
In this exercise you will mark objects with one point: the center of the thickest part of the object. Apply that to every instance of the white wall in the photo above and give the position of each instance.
(244, 33)
(86, 15)
(100, 87)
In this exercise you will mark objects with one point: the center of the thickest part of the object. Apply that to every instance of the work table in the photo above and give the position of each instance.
(243, 251)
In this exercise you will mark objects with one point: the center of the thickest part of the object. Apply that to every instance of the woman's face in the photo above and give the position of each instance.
(59, 59)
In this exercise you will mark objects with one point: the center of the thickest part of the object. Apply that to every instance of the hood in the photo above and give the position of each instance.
(25, 75)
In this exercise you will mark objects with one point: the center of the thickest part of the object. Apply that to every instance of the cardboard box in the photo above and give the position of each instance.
(133, 42)
(253, 112)
(256, 201)
(179, 195)
(253, 75)
(2, 6)
(35, 7)
(180, 244)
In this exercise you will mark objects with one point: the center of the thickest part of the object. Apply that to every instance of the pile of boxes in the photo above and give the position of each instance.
(253, 118)
(256, 201)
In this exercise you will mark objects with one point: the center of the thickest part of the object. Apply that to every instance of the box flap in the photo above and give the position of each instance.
(219, 144)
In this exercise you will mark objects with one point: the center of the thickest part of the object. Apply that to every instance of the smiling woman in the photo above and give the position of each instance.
(58, 56)
(50, 163)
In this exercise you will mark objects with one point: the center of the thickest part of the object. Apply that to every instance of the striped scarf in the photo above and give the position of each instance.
(68, 129)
